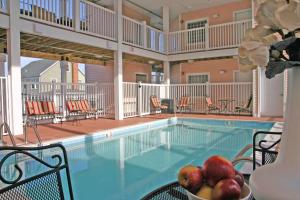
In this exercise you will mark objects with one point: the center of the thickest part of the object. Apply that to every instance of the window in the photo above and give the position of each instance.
(243, 15)
(199, 35)
(243, 76)
(198, 78)
(141, 78)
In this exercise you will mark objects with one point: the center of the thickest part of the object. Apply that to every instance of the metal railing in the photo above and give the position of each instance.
(137, 96)
(4, 102)
(4, 127)
(98, 95)
(3, 6)
(97, 20)
(90, 18)
(209, 37)
(54, 12)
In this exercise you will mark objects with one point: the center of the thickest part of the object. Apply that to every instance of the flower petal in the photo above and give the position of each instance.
(259, 56)
(289, 15)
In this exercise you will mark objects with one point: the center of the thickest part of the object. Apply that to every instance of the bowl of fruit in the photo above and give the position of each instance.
(216, 180)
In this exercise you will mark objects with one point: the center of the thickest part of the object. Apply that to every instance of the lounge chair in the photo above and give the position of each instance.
(264, 151)
(245, 107)
(156, 105)
(211, 106)
(183, 103)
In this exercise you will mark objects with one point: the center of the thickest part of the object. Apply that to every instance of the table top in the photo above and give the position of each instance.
(226, 100)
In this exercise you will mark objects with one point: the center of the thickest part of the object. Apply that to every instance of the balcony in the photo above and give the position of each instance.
(85, 17)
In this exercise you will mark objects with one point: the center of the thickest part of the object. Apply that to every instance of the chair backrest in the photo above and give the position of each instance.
(267, 149)
(46, 183)
(29, 107)
(249, 102)
(49, 107)
(186, 101)
(155, 102)
(208, 101)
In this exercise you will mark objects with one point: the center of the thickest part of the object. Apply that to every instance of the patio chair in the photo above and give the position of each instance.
(50, 108)
(184, 103)
(156, 105)
(34, 111)
(264, 150)
(47, 183)
(245, 107)
(211, 106)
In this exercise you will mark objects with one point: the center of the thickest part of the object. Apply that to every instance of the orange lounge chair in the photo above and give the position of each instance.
(211, 106)
(183, 103)
(156, 105)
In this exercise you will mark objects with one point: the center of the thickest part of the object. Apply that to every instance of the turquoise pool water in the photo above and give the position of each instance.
(128, 166)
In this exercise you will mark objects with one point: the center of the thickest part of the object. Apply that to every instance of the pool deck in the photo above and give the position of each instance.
(69, 129)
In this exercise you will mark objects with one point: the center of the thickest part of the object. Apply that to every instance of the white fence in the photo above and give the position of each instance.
(55, 12)
(137, 96)
(99, 96)
(133, 32)
(3, 6)
(97, 20)
(209, 37)
(4, 114)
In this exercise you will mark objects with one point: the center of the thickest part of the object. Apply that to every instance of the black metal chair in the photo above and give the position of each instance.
(51, 163)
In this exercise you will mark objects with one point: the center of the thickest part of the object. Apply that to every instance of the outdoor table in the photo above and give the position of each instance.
(225, 103)
(173, 191)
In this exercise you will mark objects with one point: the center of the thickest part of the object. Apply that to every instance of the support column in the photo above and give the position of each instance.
(166, 24)
(14, 69)
(64, 65)
(2, 64)
(76, 8)
(118, 63)
(166, 67)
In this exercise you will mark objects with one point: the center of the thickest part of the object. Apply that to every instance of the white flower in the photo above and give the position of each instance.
(289, 15)
(261, 34)
(265, 15)
(253, 54)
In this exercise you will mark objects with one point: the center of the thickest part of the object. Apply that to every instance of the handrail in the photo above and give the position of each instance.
(35, 132)
(4, 124)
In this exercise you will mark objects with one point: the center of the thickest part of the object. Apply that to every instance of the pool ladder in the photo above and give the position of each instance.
(5, 126)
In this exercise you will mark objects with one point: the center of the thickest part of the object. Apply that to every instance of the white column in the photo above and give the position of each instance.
(64, 65)
(2, 64)
(255, 93)
(166, 68)
(166, 25)
(166, 29)
(14, 69)
(259, 90)
(118, 64)
(76, 8)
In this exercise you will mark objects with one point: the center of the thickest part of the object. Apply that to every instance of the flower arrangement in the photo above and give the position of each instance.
(275, 41)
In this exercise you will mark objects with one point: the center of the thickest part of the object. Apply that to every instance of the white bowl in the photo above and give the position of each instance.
(246, 193)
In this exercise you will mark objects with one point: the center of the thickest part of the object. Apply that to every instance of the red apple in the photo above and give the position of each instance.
(217, 168)
(239, 178)
(227, 189)
(190, 178)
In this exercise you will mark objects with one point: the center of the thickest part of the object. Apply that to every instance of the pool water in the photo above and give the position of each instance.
(128, 166)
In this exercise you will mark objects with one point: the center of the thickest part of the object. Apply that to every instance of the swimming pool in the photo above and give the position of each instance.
(127, 163)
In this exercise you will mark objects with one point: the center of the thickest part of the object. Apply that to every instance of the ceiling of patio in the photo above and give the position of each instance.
(53, 49)
(153, 8)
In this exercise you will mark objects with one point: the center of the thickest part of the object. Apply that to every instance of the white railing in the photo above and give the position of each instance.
(3, 6)
(4, 108)
(210, 37)
(239, 93)
(99, 96)
(137, 96)
(133, 32)
(54, 12)
(97, 20)
(130, 99)
(155, 40)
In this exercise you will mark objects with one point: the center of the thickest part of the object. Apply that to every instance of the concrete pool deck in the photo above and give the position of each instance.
(69, 129)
